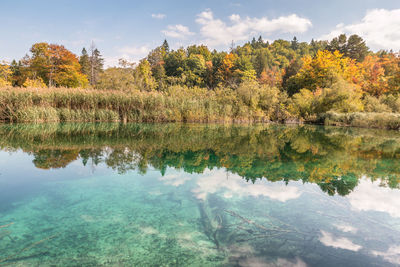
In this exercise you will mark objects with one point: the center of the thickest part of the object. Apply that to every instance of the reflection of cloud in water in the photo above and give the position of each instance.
(391, 255)
(260, 262)
(331, 241)
(346, 228)
(369, 196)
(215, 181)
(174, 180)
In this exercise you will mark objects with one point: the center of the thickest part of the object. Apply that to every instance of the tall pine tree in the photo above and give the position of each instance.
(165, 46)
(84, 61)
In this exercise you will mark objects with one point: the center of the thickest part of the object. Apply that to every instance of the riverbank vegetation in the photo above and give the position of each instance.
(337, 82)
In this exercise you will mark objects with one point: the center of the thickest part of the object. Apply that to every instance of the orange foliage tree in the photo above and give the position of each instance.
(55, 65)
(272, 76)
(381, 74)
(226, 70)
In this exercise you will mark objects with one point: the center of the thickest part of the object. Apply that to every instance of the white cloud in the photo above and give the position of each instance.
(177, 31)
(344, 243)
(130, 53)
(217, 32)
(371, 197)
(158, 16)
(135, 51)
(379, 27)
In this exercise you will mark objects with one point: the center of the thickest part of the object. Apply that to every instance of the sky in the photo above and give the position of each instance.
(130, 29)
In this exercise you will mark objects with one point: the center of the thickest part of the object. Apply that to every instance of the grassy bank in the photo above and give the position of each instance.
(176, 105)
(389, 121)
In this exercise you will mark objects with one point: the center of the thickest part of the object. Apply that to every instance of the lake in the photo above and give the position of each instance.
(198, 195)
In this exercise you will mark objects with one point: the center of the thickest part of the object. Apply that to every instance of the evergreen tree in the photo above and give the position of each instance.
(356, 48)
(254, 42)
(85, 62)
(295, 43)
(260, 41)
(165, 46)
(338, 44)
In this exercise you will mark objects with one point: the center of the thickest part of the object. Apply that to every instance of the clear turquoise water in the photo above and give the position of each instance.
(198, 195)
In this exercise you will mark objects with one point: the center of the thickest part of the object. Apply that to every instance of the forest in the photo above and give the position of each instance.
(336, 82)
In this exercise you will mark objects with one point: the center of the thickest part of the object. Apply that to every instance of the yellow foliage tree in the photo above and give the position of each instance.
(34, 83)
(325, 69)
(5, 73)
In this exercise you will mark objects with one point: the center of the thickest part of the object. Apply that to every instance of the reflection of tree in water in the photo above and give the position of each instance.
(48, 159)
(334, 158)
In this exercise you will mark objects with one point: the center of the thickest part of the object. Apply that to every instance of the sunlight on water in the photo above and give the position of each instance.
(197, 195)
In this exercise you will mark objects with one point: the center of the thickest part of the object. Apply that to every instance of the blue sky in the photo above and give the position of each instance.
(130, 28)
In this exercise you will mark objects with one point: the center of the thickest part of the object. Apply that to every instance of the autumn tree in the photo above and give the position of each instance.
(55, 65)
(272, 77)
(226, 69)
(374, 81)
(325, 69)
(5, 74)
(143, 76)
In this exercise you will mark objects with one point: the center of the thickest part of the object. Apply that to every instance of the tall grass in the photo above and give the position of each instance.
(67, 105)
(249, 103)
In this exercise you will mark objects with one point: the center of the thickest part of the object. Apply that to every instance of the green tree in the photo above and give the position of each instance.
(295, 43)
(85, 62)
(357, 48)
(165, 46)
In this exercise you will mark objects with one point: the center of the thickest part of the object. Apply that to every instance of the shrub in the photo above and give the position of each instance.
(393, 102)
(340, 97)
(373, 104)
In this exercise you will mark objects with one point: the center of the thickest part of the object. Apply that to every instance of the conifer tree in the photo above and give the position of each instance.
(165, 46)
(85, 62)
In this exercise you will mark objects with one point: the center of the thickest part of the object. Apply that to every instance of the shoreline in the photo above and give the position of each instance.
(59, 105)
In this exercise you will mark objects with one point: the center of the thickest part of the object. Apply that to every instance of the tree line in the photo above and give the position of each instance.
(342, 74)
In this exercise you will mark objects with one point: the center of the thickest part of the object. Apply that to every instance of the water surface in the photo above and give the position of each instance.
(198, 195)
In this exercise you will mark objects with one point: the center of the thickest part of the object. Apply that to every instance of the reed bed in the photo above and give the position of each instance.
(84, 105)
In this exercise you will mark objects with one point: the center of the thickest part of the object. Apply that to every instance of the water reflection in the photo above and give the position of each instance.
(333, 158)
(198, 195)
